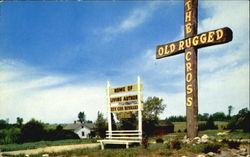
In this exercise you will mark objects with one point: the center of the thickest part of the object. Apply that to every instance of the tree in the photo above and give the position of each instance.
(19, 122)
(100, 125)
(33, 131)
(4, 124)
(81, 117)
(240, 121)
(128, 123)
(113, 122)
(219, 116)
(151, 110)
(203, 117)
(230, 108)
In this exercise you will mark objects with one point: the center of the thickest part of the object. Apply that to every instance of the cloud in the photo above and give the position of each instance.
(46, 97)
(136, 18)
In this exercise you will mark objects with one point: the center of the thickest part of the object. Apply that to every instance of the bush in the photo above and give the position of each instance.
(240, 121)
(159, 140)
(33, 131)
(176, 144)
(233, 144)
(8, 136)
(212, 147)
(209, 125)
(145, 142)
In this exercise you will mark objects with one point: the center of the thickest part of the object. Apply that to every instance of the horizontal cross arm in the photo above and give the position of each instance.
(214, 37)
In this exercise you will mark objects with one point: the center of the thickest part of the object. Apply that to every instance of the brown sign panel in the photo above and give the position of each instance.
(218, 36)
(124, 115)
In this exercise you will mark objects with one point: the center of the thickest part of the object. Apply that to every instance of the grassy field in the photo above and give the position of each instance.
(182, 125)
(238, 134)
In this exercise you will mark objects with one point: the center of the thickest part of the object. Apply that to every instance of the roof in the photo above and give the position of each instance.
(74, 126)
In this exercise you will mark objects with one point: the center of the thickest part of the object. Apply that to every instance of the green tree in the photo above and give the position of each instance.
(240, 121)
(219, 116)
(153, 107)
(4, 124)
(101, 125)
(81, 117)
(19, 122)
(230, 108)
(113, 122)
(128, 123)
(33, 131)
(11, 135)
(203, 117)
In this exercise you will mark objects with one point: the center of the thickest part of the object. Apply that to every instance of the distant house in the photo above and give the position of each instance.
(163, 127)
(83, 130)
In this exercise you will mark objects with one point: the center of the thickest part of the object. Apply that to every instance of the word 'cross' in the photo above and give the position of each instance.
(189, 45)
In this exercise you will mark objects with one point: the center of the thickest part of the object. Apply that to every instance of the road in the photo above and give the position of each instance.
(52, 149)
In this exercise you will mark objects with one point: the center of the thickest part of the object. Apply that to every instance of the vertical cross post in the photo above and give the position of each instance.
(190, 46)
(190, 30)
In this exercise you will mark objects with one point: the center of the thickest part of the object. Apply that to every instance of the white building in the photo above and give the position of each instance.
(83, 130)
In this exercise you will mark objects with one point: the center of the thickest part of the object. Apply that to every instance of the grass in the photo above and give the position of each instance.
(152, 150)
(34, 145)
(182, 125)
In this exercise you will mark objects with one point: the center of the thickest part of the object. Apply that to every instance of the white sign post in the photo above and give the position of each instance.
(124, 136)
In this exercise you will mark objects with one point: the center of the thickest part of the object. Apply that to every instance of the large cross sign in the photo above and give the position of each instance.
(189, 46)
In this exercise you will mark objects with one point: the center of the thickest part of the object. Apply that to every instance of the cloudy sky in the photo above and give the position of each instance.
(56, 57)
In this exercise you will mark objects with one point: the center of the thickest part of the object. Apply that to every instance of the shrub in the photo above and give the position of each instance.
(176, 144)
(233, 144)
(208, 125)
(10, 135)
(145, 142)
(212, 147)
(159, 140)
(240, 121)
(33, 131)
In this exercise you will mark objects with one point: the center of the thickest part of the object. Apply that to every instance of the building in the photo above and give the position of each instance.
(83, 130)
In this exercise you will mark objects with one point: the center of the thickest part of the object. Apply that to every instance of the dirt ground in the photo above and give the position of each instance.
(52, 149)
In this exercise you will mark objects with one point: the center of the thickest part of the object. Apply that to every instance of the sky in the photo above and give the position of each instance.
(56, 57)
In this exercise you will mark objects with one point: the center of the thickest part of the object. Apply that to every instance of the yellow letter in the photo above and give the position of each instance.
(188, 16)
(219, 34)
(188, 5)
(187, 55)
(210, 36)
(188, 66)
(160, 51)
(195, 40)
(203, 38)
(188, 28)
(188, 42)
(189, 89)
(189, 101)
(166, 49)
(181, 45)
(172, 48)
(189, 77)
